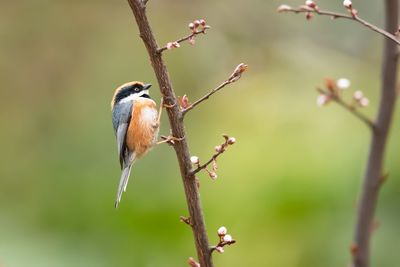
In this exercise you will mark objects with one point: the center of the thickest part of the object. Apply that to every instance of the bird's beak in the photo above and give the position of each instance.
(146, 86)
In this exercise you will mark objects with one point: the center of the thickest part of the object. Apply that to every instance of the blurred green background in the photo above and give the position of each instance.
(286, 191)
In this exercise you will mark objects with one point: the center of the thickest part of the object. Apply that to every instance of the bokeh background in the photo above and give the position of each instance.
(286, 191)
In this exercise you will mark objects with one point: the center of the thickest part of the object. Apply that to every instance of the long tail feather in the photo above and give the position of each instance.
(123, 183)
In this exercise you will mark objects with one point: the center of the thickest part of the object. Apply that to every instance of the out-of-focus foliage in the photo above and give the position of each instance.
(286, 191)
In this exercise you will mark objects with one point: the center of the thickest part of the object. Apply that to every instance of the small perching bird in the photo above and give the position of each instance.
(136, 125)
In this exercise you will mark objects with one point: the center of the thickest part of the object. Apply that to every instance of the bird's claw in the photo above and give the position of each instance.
(170, 140)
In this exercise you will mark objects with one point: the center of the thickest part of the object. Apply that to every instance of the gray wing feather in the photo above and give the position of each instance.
(121, 116)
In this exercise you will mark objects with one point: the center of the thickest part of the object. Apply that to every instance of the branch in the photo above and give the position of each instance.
(224, 239)
(190, 37)
(349, 107)
(353, 16)
(236, 74)
(178, 131)
(374, 168)
(220, 149)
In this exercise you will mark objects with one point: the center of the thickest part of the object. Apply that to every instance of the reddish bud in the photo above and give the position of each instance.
(330, 85)
(196, 23)
(354, 249)
(193, 263)
(184, 101)
(213, 175)
(202, 22)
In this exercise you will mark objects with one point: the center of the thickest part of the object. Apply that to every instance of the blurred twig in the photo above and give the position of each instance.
(380, 128)
(349, 107)
(334, 15)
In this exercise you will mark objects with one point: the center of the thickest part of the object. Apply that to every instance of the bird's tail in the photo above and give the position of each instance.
(123, 183)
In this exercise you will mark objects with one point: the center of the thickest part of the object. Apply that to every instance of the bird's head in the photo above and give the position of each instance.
(130, 91)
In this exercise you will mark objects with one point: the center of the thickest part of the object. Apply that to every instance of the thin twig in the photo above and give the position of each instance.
(219, 150)
(236, 74)
(349, 107)
(192, 35)
(222, 244)
(334, 15)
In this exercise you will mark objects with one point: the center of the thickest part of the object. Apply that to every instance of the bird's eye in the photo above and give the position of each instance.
(137, 89)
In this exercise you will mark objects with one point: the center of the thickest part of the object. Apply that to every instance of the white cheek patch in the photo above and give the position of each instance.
(129, 98)
(144, 92)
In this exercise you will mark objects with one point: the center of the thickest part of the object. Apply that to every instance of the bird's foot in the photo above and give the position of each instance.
(169, 140)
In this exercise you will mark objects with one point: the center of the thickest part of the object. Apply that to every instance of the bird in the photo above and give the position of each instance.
(136, 125)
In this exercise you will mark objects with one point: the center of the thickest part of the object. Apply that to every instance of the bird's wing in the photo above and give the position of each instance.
(121, 116)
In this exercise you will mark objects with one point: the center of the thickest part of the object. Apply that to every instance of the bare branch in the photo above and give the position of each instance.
(334, 15)
(349, 107)
(224, 239)
(183, 39)
(220, 149)
(373, 171)
(177, 137)
(236, 74)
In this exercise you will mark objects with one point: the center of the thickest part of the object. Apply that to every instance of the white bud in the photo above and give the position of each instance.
(213, 175)
(310, 3)
(231, 140)
(322, 100)
(194, 159)
(218, 148)
(364, 102)
(347, 3)
(343, 83)
(283, 8)
(222, 231)
(358, 95)
(171, 45)
(219, 249)
(228, 238)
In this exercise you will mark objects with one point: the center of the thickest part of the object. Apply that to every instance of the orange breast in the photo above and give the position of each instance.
(143, 129)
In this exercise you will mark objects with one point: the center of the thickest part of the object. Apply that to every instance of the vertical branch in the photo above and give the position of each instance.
(178, 131)
(373, 172)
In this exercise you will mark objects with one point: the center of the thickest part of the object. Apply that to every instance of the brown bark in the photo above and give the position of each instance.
(176, 121)
(374, 168)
